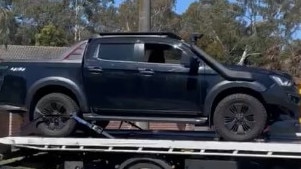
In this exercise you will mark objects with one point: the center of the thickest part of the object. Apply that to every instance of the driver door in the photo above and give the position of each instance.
(169, 86)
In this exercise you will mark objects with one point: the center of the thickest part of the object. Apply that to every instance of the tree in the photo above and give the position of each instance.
(100, 16)
(163, 18)
(271, 26)
(4, 28)
(127, 16)
(51, 35)
(35, 14)
(216, 19)
(7, 25)
(265, 30)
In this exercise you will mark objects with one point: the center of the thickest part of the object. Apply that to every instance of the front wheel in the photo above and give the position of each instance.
(144, 166)
(239, 117)
(54, 111)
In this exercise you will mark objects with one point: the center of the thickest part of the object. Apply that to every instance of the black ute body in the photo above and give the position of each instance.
(115, 78)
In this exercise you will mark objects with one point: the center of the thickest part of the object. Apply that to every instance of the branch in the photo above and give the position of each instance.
(245, 55)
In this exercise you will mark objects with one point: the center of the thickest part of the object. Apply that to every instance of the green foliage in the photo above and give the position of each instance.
(264, 29)
(126, 16)
(25, 35)
(213, 47)
(7, 26)
(217, 20)
(50, 35)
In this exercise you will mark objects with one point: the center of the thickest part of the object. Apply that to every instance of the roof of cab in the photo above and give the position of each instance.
(140, 34)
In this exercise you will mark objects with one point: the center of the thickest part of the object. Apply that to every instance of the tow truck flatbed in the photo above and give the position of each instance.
(162, 150)
(148, 146)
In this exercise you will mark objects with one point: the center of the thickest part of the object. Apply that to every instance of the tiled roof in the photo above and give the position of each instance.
(31, 52)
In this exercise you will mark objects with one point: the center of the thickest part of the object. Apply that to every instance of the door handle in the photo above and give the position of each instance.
(95, 69)
(146, 71)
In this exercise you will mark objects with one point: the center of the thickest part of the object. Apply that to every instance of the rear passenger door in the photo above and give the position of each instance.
(111, 76)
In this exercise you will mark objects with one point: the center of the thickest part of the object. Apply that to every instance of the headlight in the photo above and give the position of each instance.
(282, 81)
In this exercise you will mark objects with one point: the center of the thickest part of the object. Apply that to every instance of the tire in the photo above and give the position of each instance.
(144, 163)
(239, 117)
(144, 166)
(60, 105)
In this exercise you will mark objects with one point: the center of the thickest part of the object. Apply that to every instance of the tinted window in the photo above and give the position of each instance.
(122, 52)
(161, 53)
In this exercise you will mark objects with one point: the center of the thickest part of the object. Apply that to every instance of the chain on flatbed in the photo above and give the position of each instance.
(171, 147)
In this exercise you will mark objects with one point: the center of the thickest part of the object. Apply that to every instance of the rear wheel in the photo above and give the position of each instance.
(239, 117)
(54, 111)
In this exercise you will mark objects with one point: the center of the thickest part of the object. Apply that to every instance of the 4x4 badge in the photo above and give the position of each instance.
(18, 69)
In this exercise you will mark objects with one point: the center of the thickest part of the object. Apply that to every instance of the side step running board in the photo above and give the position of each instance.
(91, 116)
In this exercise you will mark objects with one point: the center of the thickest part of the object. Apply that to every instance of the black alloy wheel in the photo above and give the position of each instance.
(55, 111)
(239, 117)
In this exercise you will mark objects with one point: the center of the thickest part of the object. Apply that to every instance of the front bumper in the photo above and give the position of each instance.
(287, 100)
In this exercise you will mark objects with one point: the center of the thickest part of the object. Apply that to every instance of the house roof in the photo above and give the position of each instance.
(31, 52)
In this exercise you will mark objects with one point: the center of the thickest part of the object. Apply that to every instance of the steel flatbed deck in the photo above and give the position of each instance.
(148, 146)
(164, 149)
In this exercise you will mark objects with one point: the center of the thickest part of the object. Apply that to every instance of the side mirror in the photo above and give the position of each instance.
(194, 65)
(190, 62)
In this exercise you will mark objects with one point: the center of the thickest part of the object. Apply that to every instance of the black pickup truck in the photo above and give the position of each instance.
(146, 77)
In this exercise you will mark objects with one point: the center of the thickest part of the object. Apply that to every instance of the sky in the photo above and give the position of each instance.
(180, 7)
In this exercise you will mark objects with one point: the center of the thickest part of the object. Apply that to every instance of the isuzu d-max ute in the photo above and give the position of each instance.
(146, 77)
